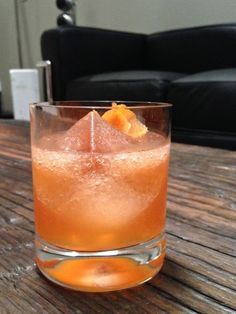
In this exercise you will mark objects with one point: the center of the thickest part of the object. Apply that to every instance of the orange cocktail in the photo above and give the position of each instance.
(100, 199)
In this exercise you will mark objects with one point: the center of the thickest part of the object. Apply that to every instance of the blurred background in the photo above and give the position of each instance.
(23, 21)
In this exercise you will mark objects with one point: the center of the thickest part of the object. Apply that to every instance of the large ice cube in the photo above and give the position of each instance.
(93, 134)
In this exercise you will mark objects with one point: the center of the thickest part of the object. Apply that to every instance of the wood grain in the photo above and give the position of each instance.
(199, 275)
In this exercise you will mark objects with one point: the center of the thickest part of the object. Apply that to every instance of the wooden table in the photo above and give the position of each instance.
(199, 275)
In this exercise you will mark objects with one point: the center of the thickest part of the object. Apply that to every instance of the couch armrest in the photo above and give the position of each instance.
(194, 49)
(79, 51)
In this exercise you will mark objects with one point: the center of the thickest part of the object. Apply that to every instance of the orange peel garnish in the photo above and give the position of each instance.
(125, 120)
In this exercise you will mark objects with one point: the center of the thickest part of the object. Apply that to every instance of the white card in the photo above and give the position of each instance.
(25, 90)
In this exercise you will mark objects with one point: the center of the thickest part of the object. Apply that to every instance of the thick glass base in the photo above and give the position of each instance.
(103, 270)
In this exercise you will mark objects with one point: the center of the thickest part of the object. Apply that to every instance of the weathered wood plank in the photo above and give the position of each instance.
(203, 284)
(23, 188)
(210, 256)
(202, 202)
(204, 238)
(203, 220)
(188, 296)
(202, 267)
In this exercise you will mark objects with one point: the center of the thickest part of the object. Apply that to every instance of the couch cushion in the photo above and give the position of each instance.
(125, 85)
(205, 101)
(219, 139)
(194, 49)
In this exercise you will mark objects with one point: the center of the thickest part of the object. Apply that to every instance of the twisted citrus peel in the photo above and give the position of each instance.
(125, 120)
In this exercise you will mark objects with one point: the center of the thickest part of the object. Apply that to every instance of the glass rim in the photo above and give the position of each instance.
(129, 104)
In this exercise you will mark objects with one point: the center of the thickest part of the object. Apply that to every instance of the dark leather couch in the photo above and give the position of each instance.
(194, 69)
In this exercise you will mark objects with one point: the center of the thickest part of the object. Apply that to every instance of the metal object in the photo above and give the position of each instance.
(68, 15)
(65, 19)
(64, 5)
(18, 35)
(47, 67)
